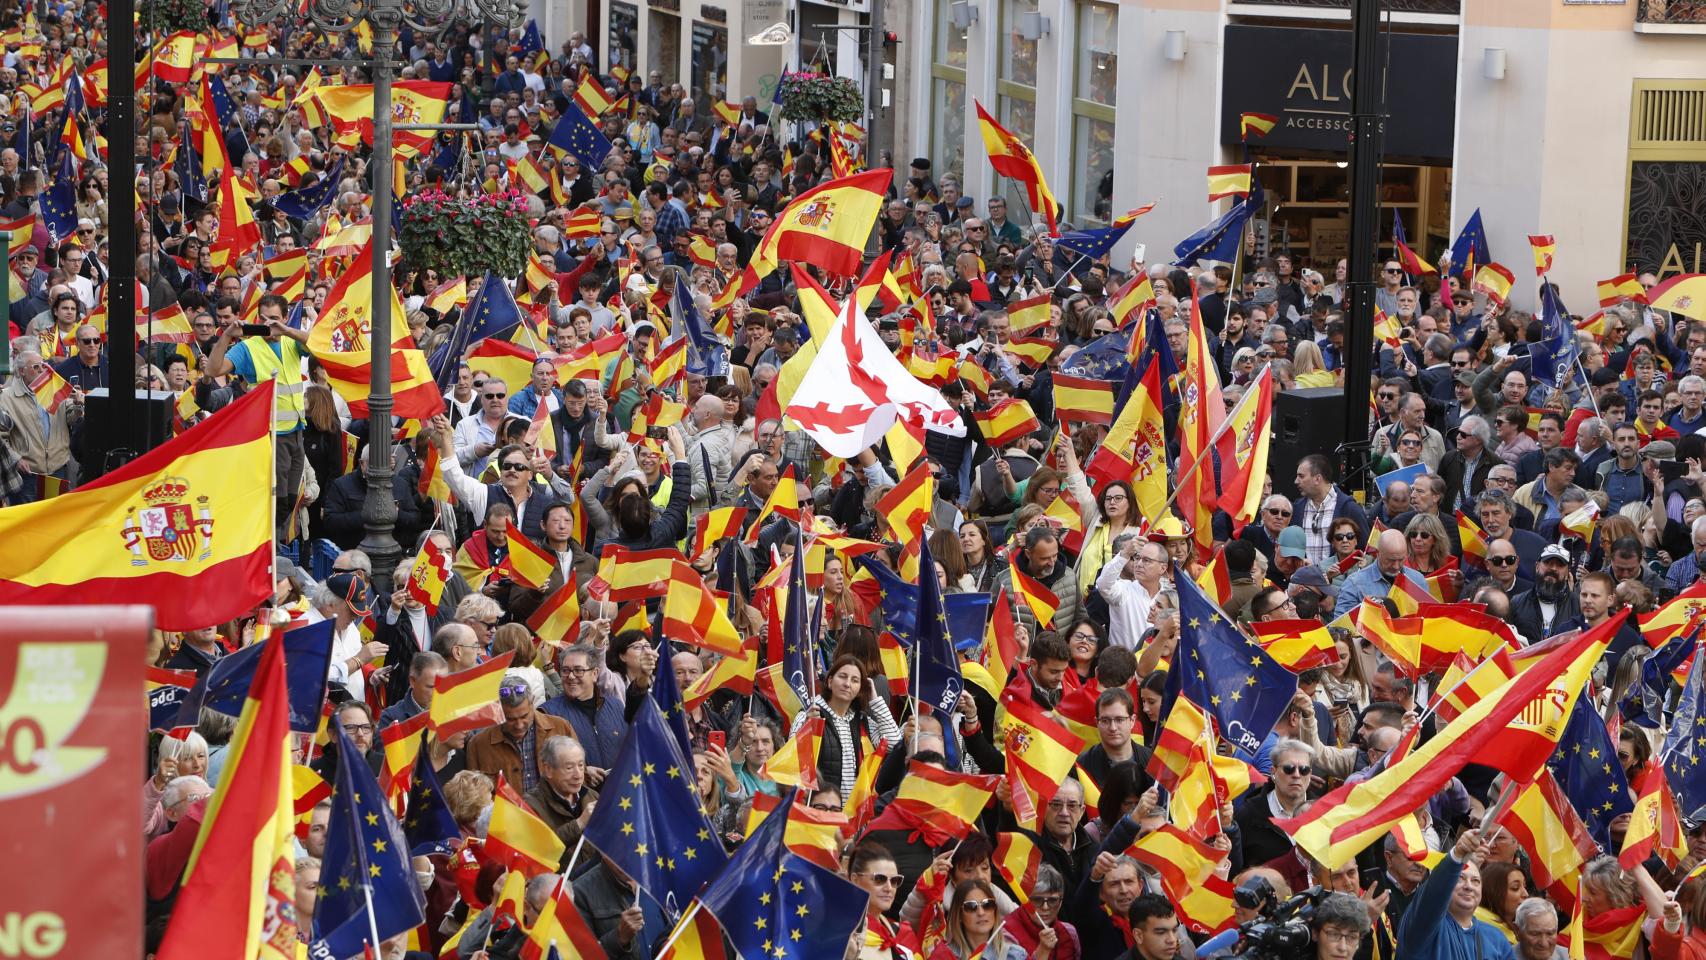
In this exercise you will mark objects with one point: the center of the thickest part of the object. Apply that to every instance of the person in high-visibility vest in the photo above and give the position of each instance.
(277, 356)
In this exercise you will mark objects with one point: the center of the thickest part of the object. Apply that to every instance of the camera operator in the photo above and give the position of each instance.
(1341, 922)
(1440, 922)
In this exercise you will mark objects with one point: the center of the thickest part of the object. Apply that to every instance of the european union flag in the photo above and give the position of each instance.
(1103, 358)
(666, 693)
(1094, 244)
(1553, 358)
(648, 820)
(1228, 675)
(429, 822)
(1684, 748)
(59, 206)
(706, 355)
(304, 202)
(797, 666)
(1469, 250)
(75, 103)
(490, 313)
(366, 863)
(576, 134)
(1586, 767)
(225, 110)
(775, 904)
(187, 163)
(1153, 349)
(1644, 703)
(968, 613)
(938, 682)
(307, 657)
(1219, 240)
(531, 43)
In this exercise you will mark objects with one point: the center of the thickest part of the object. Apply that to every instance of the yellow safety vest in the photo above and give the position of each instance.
(287, 408)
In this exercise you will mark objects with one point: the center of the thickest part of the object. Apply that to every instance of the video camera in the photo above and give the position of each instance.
(1282, 930)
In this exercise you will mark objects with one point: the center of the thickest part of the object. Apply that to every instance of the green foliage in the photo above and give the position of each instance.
(162, 18)
(465, 235)
(815, 98)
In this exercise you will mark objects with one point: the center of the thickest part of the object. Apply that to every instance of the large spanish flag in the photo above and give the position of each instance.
(826, 226)
(341, 340)
(1243, 448)
(1011, 158)
(412, 102)
(1514, 730)
(240, 882)
(186, 528)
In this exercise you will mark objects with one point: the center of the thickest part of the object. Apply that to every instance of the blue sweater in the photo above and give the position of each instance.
(1429, 933)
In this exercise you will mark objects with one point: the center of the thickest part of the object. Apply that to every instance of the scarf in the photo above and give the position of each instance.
(1122, 924)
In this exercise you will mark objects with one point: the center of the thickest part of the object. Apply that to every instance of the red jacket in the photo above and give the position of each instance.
(1023, 928)
(1682, 945)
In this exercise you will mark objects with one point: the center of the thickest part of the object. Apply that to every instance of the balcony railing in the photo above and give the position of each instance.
(1671, 11)
(1448, 7)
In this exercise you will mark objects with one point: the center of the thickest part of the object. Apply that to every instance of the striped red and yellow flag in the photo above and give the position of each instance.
(735, 673)
(625, 575)
(1179, 734)
(432, 483)
(1544, 246)
(429, 574)
(591, 97)
(1495, 281)
(1179, 859)
(1619, 288)
(715, 525)
(693, 614)
(726, 111)
(1474, 541)
(50, 389)
(794, 763)
(1298, 645)
(401, 743)
(1261, 123)
(468, 699)
(1083, 399)
(557, 622)
(1040, 748)
(946, 801)
(1039, 599)
(527, 563)
(1017, 857)
(1006, 422)
(22, 229)
(1030, 314)
(1229, 181)
(784, 501)
(517, 838)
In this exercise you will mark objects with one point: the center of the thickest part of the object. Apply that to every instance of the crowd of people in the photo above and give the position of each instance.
(1485, 475)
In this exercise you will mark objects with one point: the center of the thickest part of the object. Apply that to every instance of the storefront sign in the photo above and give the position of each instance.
(72, 728)
(1667, 216)
(1302, 77)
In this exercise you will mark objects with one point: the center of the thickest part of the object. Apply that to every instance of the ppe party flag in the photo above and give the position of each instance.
(1229, 181)
(1011, 158)
(517, 838)
(774, 903)
(468, 699)
(1230, 677)
(794, 763)
(648, 820)
(1495, 281)
(1513, 730)
(166, 692)
(1243, 449)
(1544, 246)
(826, 226)
(1261, 123)
(1006, 422)
(429, 821)
(238, 893)
(186, 528)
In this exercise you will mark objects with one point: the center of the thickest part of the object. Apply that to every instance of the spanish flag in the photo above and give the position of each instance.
(1514, 730)
(558, 619)
(517, 838)
(341, 341)
(1654, 826)
(1619, 288)
(1544, 824)
(1544, 247)
(794, 763)
(468, 699)
(432, 482)
(1495, 281)
(350, 108)
(827, 226)
(1011, 158)
(1129, 303)
(1261, 123)
(1135, 448)
(735, 673)
(21, 229)
(813, 834)
(51, 389)
(1006, 422)
(1474, 541)
(1679, 615)
(1468, 680)
(401, 744)
(527, 563)
(906, 506)
(727, 111)
(186, 528)
(1083, 399)
(1027, 315)
(1179, 859)
(1229, 181)
(239, 889)
(1043, 750)
(784, 501)
(175, 58)
(1297, 645)
(693, 614)
(634, 574)
(507, 361)
(1039, 599)
(1243, 449)
(429, 574)
(591, 98)
(1017, 857)
(938, 802)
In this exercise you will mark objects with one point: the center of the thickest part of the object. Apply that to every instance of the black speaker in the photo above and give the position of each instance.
(1305, 422)
(105, 444)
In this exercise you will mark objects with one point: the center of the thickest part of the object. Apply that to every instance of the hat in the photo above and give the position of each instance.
(1462, 295)
(1291, 543)
(646, 325)
(1169, 527)
(965, 203)
(1659, 450)
(350, 586)
(1465, 377)
(1314, 579)
(921, 163)
(285, 568)
(1555, 552)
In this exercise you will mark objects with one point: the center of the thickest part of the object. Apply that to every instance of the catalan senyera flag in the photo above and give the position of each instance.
(1544, 246)
(1514, 730)
(1261, 123)
(1232, 180)
(238, 894)
(1495, 281)
(1011, 158)
(827, 225)
(1083, 399)
(527, 563)
(50, 388)
(186, 528)
(1619, 288)
(517, 838)
(468, 699)
(794, 763)
(1243, 449)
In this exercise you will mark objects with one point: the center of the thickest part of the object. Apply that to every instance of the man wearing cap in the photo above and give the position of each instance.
(1310, 592)
(516, 748)
(1290, 555)
(344, 600)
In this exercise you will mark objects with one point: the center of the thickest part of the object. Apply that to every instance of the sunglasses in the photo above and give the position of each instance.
(1274, 512)
(1296, 769)
(492, 396)
(514, 466)
(1502, 561)
(883, 879)
(1420, 535)
(1409, 442)
(88, 339)
(1394, 270)
(978, 906)
(1344, 536)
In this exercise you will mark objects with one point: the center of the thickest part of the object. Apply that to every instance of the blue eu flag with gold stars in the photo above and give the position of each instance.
(1586, 767)
(939, 682)
(648, 820)
(968, 613)
(1225, 673)
(576, 134)
(429, 821)
(1683, 752)
(775, 904)
(364, 848)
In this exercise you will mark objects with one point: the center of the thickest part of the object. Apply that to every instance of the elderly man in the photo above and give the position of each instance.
(42, 440)
(1274, 518)
(1441, 921)
(1536, 928)
(1130, 582)
(563, 798)
(88, 369)
(1113, 887)
(1464, 469)
(1377, 578)
(1412, 418)
(516, 747)
(710, 454)
(1497, 511)
(597, 720)
(1283, 797)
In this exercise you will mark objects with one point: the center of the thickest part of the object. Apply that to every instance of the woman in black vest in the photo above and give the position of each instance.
(848, 708)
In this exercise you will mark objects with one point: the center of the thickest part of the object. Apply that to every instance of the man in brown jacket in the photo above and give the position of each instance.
(562, 799)
(516, 747)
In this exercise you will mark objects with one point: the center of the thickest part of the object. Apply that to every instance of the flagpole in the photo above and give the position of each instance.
(1250, 391)
(372, 921)
(575, 856)
(680, 927)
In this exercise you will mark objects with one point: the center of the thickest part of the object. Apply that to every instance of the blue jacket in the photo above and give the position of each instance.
(1428, 932)
(598, 725)
(1344, 505)
(1683, 573)
(1367, 582)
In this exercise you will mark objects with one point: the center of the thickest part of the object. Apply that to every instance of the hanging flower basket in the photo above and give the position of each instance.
(163, 18)
(815, 98)
(465, 235)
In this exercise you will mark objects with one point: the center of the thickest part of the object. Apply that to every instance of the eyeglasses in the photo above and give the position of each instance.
(1459, 364)
(1394, 270)
(1067, 805)
(514, 467)
(358, 727)
(978, 906)
(88, 339)
(1047, 900)
(488, 624)
(1409, 442)
(1111, 721)
(882, 879)
(1502, 561)
(1387, 396)
(1276, 512)
(575, 671)
(1295, 769)
(826, 807)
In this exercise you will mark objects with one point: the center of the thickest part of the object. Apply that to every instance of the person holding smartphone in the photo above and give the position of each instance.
(277, 356)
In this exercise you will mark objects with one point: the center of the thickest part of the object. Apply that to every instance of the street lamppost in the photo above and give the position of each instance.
(386, 18)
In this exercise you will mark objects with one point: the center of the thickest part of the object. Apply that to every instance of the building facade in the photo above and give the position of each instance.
(1584, 120)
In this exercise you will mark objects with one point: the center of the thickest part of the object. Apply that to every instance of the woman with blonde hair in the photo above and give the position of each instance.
(1308, 367)
(1429, 549)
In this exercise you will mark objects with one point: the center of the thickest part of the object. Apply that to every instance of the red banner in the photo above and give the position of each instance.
(73, 726)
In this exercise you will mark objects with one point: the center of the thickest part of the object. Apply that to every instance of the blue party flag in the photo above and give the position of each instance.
(1218, 668)
(1586, 767)
(307, 657)
(1219, 240)
(429, 823)
(304, 203)
(576, 134)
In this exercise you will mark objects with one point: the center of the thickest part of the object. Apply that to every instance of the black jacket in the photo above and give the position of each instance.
(1526, 616)
(1451, 467)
